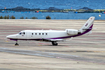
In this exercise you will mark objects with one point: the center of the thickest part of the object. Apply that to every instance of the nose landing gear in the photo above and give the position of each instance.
(16, 44)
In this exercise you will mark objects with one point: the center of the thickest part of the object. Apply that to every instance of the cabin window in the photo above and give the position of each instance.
(35, 33)
(42, 33)
(46, 33)
(32, 33)
(39, 33)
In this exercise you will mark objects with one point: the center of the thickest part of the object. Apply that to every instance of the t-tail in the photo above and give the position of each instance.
(87, 27)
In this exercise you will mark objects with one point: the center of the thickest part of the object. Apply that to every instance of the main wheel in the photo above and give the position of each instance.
(54, 43)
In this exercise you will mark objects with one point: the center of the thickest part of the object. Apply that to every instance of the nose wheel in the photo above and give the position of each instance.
(16, 44)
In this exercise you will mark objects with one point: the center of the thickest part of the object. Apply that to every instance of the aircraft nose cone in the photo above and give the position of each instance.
(11, 36)
(8, 36)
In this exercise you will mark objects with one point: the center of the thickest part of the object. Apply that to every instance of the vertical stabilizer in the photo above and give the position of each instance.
(88, 25)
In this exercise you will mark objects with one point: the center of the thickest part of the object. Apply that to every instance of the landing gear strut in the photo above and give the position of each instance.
(54, 43)
(16, 44)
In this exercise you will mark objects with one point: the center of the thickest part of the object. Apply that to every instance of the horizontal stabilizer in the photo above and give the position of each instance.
(87, 28)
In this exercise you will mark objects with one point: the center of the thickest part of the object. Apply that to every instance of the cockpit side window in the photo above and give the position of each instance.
(20, 33)
(24, 33)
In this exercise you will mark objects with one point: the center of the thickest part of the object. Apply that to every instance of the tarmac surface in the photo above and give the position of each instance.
(86, 52)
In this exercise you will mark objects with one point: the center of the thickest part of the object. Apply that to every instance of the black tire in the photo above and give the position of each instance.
(16, 44)
(54, 43)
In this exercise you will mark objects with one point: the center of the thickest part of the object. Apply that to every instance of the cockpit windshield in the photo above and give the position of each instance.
(21, 33)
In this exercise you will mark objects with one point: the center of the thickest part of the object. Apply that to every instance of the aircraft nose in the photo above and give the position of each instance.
(7, 36)
(10, 36)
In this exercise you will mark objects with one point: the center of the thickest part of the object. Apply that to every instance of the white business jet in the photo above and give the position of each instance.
(52, 35)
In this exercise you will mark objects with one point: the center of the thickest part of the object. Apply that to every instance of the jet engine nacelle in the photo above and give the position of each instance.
(72, 31)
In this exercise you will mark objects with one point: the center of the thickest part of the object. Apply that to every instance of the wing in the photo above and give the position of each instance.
(50, 40)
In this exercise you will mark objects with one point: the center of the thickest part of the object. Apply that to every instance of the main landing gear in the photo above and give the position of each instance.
(16, 44)
(54, 43)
